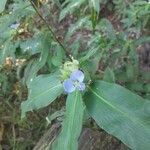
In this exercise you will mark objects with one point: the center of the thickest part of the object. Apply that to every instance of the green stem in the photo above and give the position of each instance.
(50, 29)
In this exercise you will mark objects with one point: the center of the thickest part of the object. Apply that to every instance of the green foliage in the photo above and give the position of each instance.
(42, 44)
(40, 96)
(101, 38)
(134, 15)
(72, 123)
(109, 75)
(71, 6)
(96, 5)
(8, 50)
(120, 112)
(2, 5)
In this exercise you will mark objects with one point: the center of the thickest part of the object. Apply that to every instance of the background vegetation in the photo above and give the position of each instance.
(110, 38)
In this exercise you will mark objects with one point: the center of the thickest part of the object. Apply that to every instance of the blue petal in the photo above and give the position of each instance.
(15, 26)
(81, 86)
(77, 76)
(68, 86)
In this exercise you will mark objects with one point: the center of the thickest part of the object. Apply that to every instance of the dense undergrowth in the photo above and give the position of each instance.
(109, 38)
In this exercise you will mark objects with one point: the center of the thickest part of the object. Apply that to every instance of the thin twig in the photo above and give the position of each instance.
(50, 29)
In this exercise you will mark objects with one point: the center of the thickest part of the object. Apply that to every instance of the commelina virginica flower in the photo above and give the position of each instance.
(74, 82)
(15, 26)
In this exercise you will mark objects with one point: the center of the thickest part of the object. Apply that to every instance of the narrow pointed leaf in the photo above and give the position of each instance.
(43, 90)
(68, 138)
(2, 5)
(121, 113)
(34, 66)
(96, 5)
(7, 51)
(70, 8)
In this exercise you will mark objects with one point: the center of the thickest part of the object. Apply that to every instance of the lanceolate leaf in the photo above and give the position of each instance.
(68, 138)
(2, 5)
(34, 66)
(43, 90)
(41, 44)
(96, 5)
(7, 51)
(70, 7)
(121, 113)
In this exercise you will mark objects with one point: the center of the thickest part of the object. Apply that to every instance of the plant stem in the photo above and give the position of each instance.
(50, 29)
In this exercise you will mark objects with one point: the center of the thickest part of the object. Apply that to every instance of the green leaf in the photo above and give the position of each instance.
(3, 77)
(71, 7)
(96, 5)
(109, 75)
(89, 54)
(81, 22)
(34, 66)
(147, 87)
(19, 10)
(2, 5)
(39, 42)
(43, 45)
(130, 72)
(90, 67)
(7, 50)
(72, 125)
(31, 45)
(106, 26)
(137, 86)
(57, 59)
(121, 113)
(43, 90)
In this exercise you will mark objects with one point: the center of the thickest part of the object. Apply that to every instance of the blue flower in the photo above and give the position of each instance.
(15, 26)
(74, 82)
